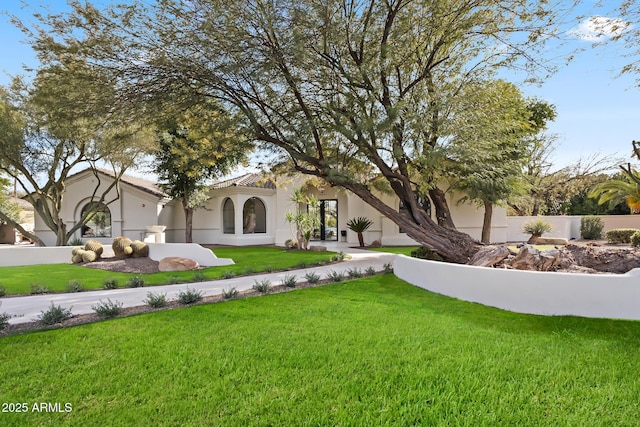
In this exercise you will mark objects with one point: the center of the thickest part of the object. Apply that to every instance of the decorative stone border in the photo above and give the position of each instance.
(615, 296)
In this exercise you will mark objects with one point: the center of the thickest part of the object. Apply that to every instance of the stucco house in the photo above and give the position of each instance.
(246, 210)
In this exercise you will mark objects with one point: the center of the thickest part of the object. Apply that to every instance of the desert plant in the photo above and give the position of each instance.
(312, 277)
(335, 276)
(635, 239)
(107, 309)
(139, 249)
(37, 289)
(388, 268)
(289, 281)
(263, 286)
(189, 296)
(110, 283)
(95, 246)
(248, 271)
(199, 276)
(354, 273)
(156, 300)
(122, 247)
(620, 235)
(4, 320)
(135, 282)
(89, 256)
(228, 275)
(425, 253)
(229, 293)
(268, 269)
(174, 280)
(370, 271)
(302, 264)
(303, 220)
(359, 225)
(536, 228)
(76, 241)
(55, 314)
(591, 227)
(75, 286)
(340, 256)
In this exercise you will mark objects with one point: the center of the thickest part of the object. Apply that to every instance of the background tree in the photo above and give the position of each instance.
(334, 84)
(195, 146)
(8, 208)
(624, 189)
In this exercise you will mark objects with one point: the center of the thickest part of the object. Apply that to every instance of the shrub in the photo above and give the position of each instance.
(536, 228)
(302, 264)
(425, 253)
(335, 276)
(229, 293)
(354, 273)
(263, 286)
(289, 281)
(312, 277)
(174, 280)
(228, 275)
(591, 227)
(37, 289)
(340, 256)
(268, 269)
(248, 271)
(4, 320)
(55, 314)
(388, 268)
(370, 271)
(76, 241)
(156, 300)
(620, 235)
(199, 276)
(110, 284)
(107, 309)
(75, 286)
(3, 291)
(135, 282)
(189, 296)
(291, 244)
(635, 239)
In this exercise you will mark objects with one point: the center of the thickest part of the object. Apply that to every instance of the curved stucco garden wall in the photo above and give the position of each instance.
(546, 293)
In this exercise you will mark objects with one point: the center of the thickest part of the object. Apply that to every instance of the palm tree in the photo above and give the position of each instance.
(625, 189)
(359, 225)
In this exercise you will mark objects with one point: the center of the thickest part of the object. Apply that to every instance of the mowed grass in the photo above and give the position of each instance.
(398, 250)
(374, 351)
(248, 260)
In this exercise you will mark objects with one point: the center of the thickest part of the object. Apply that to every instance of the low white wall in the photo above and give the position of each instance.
(531, 292)
(566, 226)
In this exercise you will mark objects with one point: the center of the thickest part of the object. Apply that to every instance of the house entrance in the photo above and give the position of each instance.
(327, 212)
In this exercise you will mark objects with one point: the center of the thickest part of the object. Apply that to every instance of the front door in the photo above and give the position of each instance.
(327, 212)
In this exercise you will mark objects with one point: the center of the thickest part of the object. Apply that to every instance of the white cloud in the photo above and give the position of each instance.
(599, 28)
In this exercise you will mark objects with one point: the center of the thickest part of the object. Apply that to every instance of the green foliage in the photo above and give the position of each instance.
(156, 300)
(304, 219)
(173, 280)
(262, 286)
(388, 268)
(312, 277)
(335, 276)
(370, 271)
(38, 289)
(3, 291)
(354, 273)
(359, 224)
(425, 253)
(340, 256)
(55, 314)
(198, 276)
(620, 235)
(229, 293)
(267, 269)
(189, 296)
(537, 227)
(76, 241)
(107, 309)
(635, 239)
(135, 282)
(228, 275)
(624, 188)
(4, 320)
(75, 286)
(591, 227)
(110, 284)
(289, 281)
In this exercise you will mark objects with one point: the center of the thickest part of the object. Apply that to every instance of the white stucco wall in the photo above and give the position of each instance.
(531, 292)
(567, 227)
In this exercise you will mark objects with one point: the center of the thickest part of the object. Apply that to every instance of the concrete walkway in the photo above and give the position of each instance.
(28, 308)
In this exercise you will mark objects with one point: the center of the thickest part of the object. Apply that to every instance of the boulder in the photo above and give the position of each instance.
(376, 244)
(552, 241)
(175, 263)
(317, 248)
(489, 256)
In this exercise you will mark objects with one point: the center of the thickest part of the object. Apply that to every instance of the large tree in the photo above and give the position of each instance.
(334, 84)
(194, 146)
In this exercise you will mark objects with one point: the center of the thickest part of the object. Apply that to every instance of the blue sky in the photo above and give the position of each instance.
(597, 112)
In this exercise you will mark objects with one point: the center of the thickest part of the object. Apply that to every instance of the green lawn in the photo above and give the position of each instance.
(56, 277)
(399, 250)
(374, 351)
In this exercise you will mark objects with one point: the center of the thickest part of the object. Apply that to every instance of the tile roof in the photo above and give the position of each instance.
(248, 180)
(139, 183)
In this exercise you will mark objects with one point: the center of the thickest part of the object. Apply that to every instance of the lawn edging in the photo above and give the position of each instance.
(613, 296)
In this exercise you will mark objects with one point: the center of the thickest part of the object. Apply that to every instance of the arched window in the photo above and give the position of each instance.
(228, 217)
(254, 216)
(422, 201)
(98, 222)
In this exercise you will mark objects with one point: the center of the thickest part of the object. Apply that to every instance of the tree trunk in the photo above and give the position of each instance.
(361, 239)
(61, 233)
(443, 214)
(486, 222)
(188, 226)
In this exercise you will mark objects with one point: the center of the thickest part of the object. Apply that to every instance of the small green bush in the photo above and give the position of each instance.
(354, 273)
(268, 269)
(156, 300)
(312, 277)
(536, 228)
(135, 282)
(302, 264)
(37, 289)
(248, 271)
(76, 241)
(110, 284)
(4, 320)
(229, 293)
(425, 253)
(591, 227)
(189, 296)
(174, 280)
(340, 256)
(263, 286)
(289, 281)
(108, 309)
(635, 239)
(335, 276)
(228, 275)
(75, 286)
(620, 235)
(55, 314)
(3, 291)
(388, 268)
(370, 271)
(199, 276)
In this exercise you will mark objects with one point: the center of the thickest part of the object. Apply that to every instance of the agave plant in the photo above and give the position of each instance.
(359, 225)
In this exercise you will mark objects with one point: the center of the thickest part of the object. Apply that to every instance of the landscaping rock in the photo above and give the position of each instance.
(317, 248)
(489, 256)
(177, 264)
(376, 244)
(552, 241)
